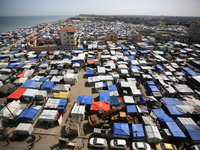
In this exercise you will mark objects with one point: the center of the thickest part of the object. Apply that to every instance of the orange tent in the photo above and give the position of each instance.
(17, 93)
(90, 61)
(95, 51)
(96, 106)
(21, 75)
(120, 99)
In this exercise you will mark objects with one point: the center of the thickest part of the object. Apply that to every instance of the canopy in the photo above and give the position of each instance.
(4, 90)
(28, 113)
(27, 83)
(48, 85)
(17, 93)
(104, 96)
(131, 109)
(121, 129)
(84, 99)
(138, 132)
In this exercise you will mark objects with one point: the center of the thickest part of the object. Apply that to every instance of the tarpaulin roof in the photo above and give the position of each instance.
(21, 65)
(17, 93)
(41, 55)
(131, 109)
(171, 101)
(89, 73)
(112, 88)
(138, 132)
(131, 57)
(135, 67)
(114, 100)
(121, 129)
(35, 85)
(42, 79)
(191, 72)
(120, 99)
(21, 75)
(84, 99)
(61, 95)
(143, 52)
(193, 133)
(162, 116)
(11, 66)
(27, 83)
(174, 111)
(62, 103)
(104, 96)
(175, 130)
(48, 85)
(100, 106)
(28, 113)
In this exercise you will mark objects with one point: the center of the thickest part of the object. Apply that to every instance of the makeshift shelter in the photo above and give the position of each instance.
(96, 106)
(29, 94)
(49, 116)
(78, 111)
(132, 110)
(61, 87)
(35, 85)
(24, 129)
(89, 73)
(138, 132)
(6, 89)
(171, 101)
(104, 96)
(114, 101)
(41, 95)
(17, 93)
(62, 95)
(84, 99)
(27, 83)
(174, 112)
(152, 134)
(121, 130)
(48, 85)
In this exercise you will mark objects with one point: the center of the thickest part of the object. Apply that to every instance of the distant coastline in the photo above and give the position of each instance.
(10, 23)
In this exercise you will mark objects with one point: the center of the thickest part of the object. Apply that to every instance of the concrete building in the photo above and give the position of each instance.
(194, 33)
(135, 36)
(68, 36)
(112, 37)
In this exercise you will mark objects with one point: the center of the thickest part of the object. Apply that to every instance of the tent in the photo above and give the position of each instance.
(131, 110)
(35, 85)
(27, 83)
(121, 130)
(90, 60)
(48, 85)
(24, 129)
(104, 96)
(89, 73)
(84, 99)
(28, 115)
(48, 116)
(7, 89)
(138, 132)
(96, 106)
(61, 87)
(152, 134)
(175, 130)
(114, 101)
(17, 93)
(78, 111)
(171, 101)
(30, 94)
(162, 116)
(174, 112)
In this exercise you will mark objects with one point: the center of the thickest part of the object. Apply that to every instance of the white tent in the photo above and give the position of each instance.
(153, 134)
(24, 129)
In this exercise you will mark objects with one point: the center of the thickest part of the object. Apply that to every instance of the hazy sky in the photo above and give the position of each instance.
(103, 7)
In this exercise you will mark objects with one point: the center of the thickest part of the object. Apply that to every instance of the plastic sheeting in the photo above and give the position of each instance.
(17, 93)
(162, 116)
(175, 130)
(84, 99)
(104, 96)
(138, 132)
(121, 129)
(96, 106)
(27, 83)
(47, 85)
(89, 73)
(153, 134)
(28, 113)
(174, 112)
(114, 101)
(131, 109)
(171, 101)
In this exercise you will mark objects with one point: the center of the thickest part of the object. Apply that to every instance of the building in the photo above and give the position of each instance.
(135, 36)
(112, 37)
(194, 33)
(68, 36)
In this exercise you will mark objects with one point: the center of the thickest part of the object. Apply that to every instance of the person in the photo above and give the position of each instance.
(8, 141)
(33, 137)
(32, 144)
(40, 137)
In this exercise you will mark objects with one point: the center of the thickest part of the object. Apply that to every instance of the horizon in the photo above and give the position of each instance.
(188, 8)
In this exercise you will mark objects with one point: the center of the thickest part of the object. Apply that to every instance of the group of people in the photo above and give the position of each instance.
(33, 140)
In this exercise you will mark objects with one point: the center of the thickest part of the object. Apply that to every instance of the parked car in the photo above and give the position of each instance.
(140, 146)
(98, 142)
(118, 143)
(163, 146)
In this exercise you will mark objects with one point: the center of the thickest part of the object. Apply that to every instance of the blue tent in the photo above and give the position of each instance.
(174, 111)
(80, 47)
(43, 79)
(11, 66)
(121, 129)
(48, 85)
(131, 109)
(84, 99)
(114, 101)
(131, 57)
(41, 55)
(62, 103)
(191, 72)
(135, 67)
(104, 96)
(171, 101)
(112, 88)
(158, 67)
(162, 116)
(13, 52)
(28, 113)
(35, 85)
(33, 60)
(21, 65)
(193, 133)
(89, 73)
(138, 131)
(27, 83)
(175, 130)
(152, 89)
(143, 52)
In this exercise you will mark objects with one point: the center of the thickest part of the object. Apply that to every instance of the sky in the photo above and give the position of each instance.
(99, 7)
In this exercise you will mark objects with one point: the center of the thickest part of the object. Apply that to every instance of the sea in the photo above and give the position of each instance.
(10, 23)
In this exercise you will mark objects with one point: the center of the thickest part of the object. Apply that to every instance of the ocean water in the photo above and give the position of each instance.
(10, 23)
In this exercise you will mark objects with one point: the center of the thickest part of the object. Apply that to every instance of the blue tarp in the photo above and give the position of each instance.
(149, 83)
(162, 116)
(105, 85)
(41, 55)
(171, 101)
(174, 111)
(114, 101)
(112, 88)
(135, 67)
(138, 131)
(15, 60)
(11, 66)
(143, 52)
(33, 60)
(152, 89)
(27, 83)
(121, 129)
(131, 57)
(84, 99)
(175, 130)
(48, 85)
(28, 113)
(21, 65)
(131, 109)
(158, 67)
(104, 96)
(90, 58)
(142, 101)
(35, 85)
(191, 72)
(62, 103)
(13, 52)
(89, 73)
(193, 133)
(43, 79)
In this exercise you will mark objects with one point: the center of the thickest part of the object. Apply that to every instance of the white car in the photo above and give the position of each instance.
(98, 142)
(118, 144)
(140, 146)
